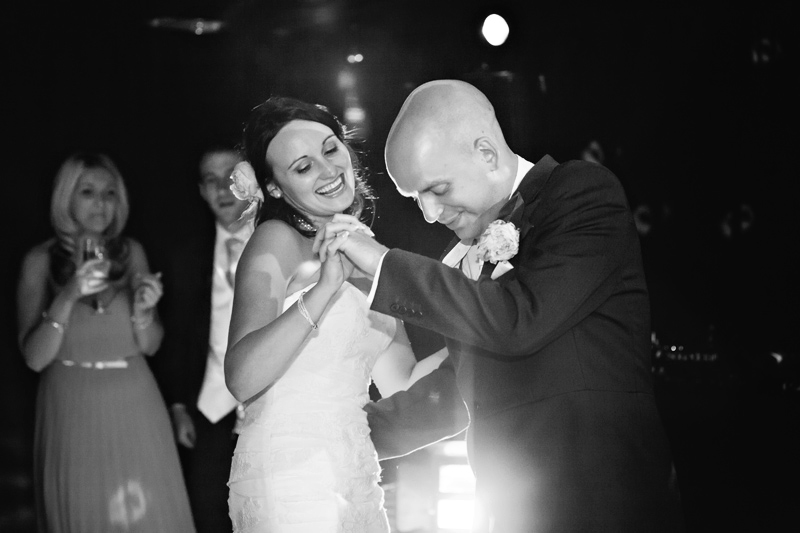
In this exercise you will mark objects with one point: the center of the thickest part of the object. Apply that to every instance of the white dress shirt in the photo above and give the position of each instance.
(215, 401)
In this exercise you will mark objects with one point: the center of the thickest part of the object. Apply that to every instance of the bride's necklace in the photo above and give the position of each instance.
(303, 224)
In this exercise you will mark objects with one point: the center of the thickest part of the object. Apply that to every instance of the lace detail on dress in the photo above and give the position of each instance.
(241, 465)
(247, 515)
(361, 328)
(304, 460)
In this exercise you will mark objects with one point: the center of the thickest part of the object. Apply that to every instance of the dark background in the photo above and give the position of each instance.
(693, 105)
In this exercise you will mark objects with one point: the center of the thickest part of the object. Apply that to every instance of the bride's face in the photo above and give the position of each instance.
(312, 170)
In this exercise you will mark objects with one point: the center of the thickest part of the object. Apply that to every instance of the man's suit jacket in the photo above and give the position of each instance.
(187, 317)
(188, 279)
(552, 360)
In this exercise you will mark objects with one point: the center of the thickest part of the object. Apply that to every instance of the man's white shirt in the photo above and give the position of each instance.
(215, 401)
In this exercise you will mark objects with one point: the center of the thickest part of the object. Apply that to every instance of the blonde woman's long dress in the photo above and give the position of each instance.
(105, 459)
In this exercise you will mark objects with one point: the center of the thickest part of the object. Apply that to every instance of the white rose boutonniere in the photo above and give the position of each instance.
(245, 187)
(499, 243)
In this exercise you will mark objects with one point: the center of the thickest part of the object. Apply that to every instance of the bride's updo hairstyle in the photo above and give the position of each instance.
(264, 123)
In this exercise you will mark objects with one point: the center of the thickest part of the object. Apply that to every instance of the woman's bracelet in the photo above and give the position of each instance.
(142, 323)
(301, 306)
(58, 326)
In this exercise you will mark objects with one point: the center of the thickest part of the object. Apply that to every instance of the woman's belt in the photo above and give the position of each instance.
(97, 365)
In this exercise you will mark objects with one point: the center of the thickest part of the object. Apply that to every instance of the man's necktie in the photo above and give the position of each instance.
(234, 248)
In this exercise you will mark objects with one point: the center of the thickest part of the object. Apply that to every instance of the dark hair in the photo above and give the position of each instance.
(213, 148)
(264, 123)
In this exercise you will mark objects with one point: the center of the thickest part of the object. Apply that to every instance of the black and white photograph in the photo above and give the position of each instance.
(372, 266)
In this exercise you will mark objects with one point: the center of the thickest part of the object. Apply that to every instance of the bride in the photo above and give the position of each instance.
(303, 344)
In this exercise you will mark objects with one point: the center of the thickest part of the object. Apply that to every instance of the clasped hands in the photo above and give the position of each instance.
(348, 235)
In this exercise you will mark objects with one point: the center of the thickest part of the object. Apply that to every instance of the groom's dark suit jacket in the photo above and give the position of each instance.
(552, 360)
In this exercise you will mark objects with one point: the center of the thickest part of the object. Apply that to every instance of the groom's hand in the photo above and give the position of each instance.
(359, 246)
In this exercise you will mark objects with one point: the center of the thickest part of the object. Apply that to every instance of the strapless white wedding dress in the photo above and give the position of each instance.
(304, 461)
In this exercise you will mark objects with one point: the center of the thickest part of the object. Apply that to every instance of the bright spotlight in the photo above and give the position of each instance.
(454, 514)
(355, 115)
(495, 30)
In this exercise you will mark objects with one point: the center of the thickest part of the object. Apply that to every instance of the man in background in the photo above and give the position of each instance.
(197, 311)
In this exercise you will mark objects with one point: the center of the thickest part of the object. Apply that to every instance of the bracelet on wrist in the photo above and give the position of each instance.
(141, 323)
(55, 324)
(301, 306)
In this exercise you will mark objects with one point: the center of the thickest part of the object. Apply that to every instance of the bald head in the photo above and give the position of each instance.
(447, 150)
(441, 114)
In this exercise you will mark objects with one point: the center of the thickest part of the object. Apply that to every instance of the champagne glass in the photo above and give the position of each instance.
(95, 249)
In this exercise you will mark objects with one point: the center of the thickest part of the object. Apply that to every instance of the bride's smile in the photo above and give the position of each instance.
(332, 189)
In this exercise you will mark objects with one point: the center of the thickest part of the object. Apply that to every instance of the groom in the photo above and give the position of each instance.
(550, 351)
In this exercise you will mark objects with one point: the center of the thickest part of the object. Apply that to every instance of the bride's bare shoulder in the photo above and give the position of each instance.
(276, 236)
(276, 244)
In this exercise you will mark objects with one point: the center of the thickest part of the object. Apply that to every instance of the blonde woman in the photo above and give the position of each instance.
(104, 458)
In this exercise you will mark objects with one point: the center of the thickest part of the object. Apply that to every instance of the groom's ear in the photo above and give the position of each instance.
(487, 151)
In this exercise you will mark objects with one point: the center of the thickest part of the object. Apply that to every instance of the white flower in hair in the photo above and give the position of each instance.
(245, 187)
(500, 242)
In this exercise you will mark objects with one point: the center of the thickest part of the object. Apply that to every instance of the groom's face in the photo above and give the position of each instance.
(452, 186)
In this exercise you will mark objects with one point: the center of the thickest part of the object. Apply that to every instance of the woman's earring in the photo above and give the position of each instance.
(275, 193)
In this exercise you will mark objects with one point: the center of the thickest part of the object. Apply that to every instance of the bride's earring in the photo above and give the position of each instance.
(275, 192)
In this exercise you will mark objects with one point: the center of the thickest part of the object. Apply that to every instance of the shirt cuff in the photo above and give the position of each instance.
(375, 280)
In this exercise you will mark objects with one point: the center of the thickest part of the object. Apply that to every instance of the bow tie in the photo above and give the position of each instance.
(512, 209)
(511, 205)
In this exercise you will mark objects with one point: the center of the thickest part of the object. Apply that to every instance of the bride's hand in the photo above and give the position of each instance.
(335, 266)
(339, 223)
(347, 265)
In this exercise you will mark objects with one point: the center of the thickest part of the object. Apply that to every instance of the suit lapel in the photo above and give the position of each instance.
(517, 209)
(536, 178)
